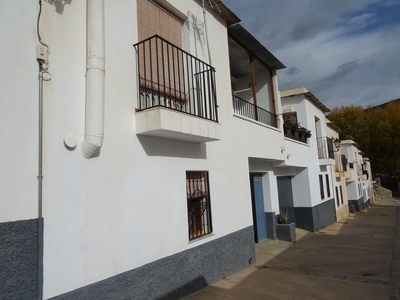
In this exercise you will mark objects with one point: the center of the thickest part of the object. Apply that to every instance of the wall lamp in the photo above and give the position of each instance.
(337, 144)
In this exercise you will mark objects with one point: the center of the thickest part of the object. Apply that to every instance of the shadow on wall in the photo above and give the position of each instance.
(59, 4)
(154, 146)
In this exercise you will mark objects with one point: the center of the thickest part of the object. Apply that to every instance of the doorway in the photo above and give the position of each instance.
(285, 196)
(257, 199)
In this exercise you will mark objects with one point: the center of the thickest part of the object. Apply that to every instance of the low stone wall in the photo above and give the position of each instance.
(381, 193)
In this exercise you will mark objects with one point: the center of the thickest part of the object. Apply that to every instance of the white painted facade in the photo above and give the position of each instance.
(339, 174)
(127, 207)
(359, 183)
(306, 156)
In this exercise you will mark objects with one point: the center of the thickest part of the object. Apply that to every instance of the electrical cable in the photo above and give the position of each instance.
(38, 24)
(206, 31)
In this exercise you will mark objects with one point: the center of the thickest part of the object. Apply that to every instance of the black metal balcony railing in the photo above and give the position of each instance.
(251, 111)
(173, 78)
(325, 147)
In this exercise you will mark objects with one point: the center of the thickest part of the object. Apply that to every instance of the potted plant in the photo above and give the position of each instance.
(302, 131)
(285, 230)
(287, 125)
(307, 133)
(295, 128)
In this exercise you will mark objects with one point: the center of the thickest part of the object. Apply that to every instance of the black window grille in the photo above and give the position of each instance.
(328, 188)
(337, 196)
(321, 186)
(341, 194)
(198, 204)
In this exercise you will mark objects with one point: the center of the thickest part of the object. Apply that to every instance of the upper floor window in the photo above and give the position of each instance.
(153, 19)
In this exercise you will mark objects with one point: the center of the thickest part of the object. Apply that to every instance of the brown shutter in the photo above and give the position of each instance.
(160, 65)
(153, 19)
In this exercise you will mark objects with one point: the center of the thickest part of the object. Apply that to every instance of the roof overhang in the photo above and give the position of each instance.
(242, 45)
(350, 143)
(227, 14)
(332, 125)
(308, 94)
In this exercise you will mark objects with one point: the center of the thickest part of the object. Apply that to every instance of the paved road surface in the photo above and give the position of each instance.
(358, 258)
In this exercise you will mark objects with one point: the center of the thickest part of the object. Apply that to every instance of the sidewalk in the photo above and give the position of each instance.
(347, 260)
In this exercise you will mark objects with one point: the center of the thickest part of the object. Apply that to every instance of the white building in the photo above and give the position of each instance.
(312, 159)
(339, 173)
(359, 183)
(135, 200)
(152, 181)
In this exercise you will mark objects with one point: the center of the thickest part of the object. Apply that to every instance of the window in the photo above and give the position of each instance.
(337, 196)
(341, 194)
(160, 65)
(153, 19)
(198, 204)
(328, 188)
(321, 186)
(290, 117)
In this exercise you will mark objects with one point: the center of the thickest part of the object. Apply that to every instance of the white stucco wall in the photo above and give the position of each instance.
(128, 206)
(305, 156)
(18, 112)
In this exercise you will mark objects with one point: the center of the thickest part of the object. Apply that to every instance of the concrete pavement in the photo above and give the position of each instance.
(358, 258)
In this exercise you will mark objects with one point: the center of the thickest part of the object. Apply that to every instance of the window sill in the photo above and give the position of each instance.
(208, 235)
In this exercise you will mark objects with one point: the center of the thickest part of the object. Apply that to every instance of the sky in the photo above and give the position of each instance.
(346, 52)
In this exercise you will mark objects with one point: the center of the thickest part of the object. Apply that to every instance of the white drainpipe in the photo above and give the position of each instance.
(94, 116)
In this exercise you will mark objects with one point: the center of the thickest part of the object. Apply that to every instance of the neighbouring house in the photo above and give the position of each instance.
(359, 183)
(339, 173)
(312, 159)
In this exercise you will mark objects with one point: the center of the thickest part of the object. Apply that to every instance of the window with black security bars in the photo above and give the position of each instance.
(198, 204)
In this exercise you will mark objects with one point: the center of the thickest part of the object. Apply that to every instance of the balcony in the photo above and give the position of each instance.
(253, 112)
(341, 165)
(294, 135)
(326, 152)
(177, 93)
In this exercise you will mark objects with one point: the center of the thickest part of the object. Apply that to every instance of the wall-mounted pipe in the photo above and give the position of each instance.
(95, 79)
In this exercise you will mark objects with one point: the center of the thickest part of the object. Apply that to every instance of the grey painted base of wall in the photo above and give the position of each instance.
(270, 219)
(179, 275)
(358, 205)
(317, 217)
(19, 259)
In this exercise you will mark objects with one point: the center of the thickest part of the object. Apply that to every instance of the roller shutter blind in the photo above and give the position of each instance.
(160, 64)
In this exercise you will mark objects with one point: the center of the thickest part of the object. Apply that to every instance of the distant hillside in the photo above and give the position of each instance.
(383, 105)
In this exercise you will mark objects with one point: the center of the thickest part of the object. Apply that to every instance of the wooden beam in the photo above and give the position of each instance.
(253, 86)
(272, 74)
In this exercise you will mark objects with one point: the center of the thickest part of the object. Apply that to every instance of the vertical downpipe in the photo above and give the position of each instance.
(40, 186)
(95, 80)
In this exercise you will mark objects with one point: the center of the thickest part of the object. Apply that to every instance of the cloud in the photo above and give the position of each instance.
(343, 70)
(345, 52)
(292, 71)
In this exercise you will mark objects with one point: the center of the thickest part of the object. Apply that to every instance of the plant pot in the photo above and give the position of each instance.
(286, 232)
